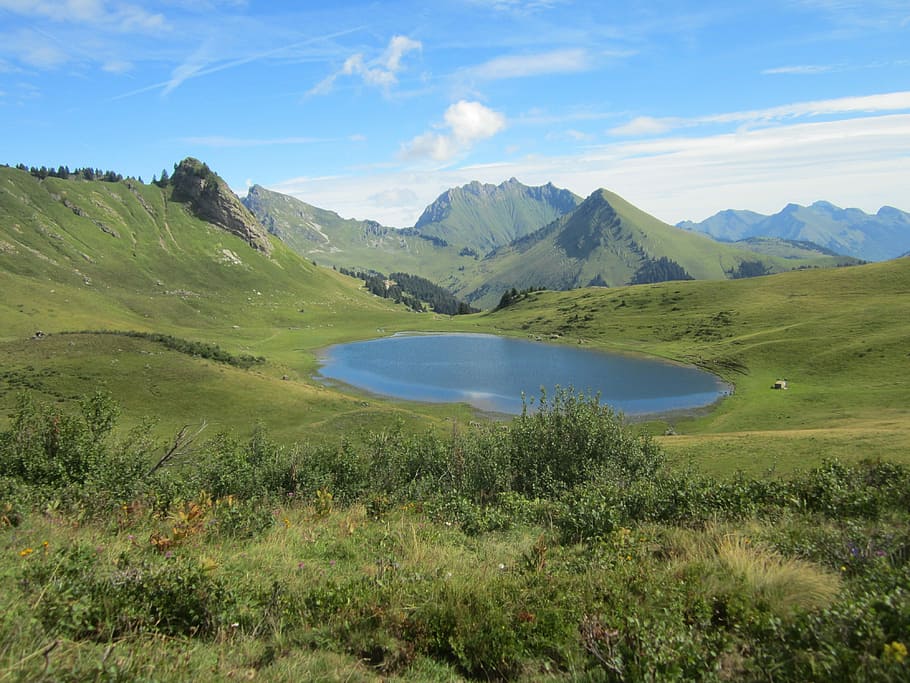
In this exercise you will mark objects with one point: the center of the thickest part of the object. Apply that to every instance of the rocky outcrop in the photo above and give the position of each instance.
(210, 199)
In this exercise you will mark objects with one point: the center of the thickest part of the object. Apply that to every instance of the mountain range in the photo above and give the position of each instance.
(477, 241)
(480, 240)
(871, 237)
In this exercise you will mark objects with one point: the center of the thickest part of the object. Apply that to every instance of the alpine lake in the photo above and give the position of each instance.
(493, 373)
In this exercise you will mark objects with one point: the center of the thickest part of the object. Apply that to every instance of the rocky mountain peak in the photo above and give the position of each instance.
(210, 199)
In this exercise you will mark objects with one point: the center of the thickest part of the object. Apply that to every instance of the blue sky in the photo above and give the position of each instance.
(372, 109)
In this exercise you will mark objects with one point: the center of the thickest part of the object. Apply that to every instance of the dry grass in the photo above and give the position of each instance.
(731, 562)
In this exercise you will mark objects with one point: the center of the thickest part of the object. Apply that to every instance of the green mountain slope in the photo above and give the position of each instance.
(80, 255)
(872, 237)
(329, 239)
(483, 216)
(778, 246)
(839, 335)
(606, 241)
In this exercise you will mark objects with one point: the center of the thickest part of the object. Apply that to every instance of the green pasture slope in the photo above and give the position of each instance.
(90, 256)
(839, 336)
(78, 255)
(560, 546)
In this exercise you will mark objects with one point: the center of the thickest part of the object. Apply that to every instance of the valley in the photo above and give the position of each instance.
(181, 497)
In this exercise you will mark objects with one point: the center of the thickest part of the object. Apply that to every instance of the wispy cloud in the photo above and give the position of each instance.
(799, 70)
(189, 68)
(117, 66)
(863, 15)
(35, 49)
(647, 125)
(869, 104)
(121, 16)
(381, 72)
(859, 162)
(219, 141)
(467, 123)
(543, 63)
(195, 66)
(518, 6)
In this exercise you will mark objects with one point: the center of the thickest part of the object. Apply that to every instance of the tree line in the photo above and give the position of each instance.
(413, 291)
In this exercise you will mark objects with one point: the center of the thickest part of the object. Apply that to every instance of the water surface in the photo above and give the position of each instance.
(491, 373)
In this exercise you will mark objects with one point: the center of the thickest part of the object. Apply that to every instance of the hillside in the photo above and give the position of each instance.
(837, 334)
(608, 241)
(445, 245)
(604, 241)
(872, 237)
(483, 217)
(79, 255)
(328, 239)
(486, 550)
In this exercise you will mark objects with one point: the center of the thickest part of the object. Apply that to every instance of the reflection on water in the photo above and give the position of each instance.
(491, 373)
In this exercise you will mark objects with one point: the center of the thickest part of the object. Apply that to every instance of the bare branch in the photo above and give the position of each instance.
(181, 446)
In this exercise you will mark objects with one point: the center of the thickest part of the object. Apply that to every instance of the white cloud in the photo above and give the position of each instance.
(862, 162)
(398, 47)
(34, 49)
(394, 197)
(381, 72)
(799, 70)
(117, 66)
(472, 121)
(868, 104)
(197, 66)
(894, 101)
(121, 16)
(193, 66)
(467, 122)
(520, 66)
(518, 6)
(645, 125)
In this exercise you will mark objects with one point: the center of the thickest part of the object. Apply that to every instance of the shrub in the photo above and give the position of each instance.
(80, 598)
(573, 439)
(70, 457)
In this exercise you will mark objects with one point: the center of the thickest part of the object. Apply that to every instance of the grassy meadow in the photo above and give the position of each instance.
(314, 533)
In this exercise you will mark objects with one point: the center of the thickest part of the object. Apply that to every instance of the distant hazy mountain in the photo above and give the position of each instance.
(607, 241)
(873, 237)
(483, 217)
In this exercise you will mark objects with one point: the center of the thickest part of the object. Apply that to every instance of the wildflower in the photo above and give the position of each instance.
(843, 568)
(25, 552)
(287, 523)
(502, 567)
(895, 652)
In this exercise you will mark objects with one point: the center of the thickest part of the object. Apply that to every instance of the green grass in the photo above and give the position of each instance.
(168, 273)
(836, 335)
(457, 584)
